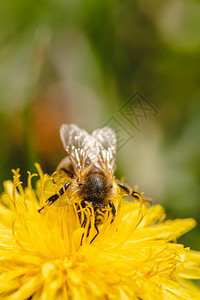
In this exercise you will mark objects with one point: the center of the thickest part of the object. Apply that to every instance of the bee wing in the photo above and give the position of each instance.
(76, 142)
(106, 143)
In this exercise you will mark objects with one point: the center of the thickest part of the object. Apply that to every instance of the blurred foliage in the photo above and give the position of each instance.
(79, 61)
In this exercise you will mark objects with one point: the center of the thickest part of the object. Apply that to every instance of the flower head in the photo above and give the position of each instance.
(50, 255)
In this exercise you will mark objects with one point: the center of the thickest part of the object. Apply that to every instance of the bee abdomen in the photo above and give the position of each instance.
(95, 188)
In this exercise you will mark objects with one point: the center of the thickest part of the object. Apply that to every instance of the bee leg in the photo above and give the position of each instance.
(95, 225)
(69, 173)
(132, 193)
(83, 205)
(53, 198)
(82, 225)
(113, 209)
(84, 222)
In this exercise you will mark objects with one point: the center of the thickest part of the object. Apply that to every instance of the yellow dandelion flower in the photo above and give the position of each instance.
(50, 256)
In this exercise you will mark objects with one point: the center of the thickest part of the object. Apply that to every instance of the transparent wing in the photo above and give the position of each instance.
(83, 149)
(77, 143)
(105, 146)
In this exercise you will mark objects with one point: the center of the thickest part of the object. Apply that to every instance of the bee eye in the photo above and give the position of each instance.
(80, 184)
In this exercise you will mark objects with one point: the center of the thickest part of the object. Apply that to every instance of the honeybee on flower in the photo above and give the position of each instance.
(90, 165)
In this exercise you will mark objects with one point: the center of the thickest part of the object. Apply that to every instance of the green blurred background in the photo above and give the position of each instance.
(79, 62)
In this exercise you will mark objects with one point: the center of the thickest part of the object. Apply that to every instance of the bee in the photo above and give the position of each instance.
(90, 165)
